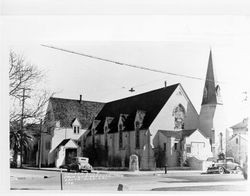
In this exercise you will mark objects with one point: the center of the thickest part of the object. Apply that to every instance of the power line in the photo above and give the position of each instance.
(125, 64)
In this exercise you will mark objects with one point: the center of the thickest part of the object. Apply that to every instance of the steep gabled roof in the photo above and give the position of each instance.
(175, 134)
(67, 110)
(151, 102)
(64, 142)
(179, 134)
(245, 137)
(211, 92)
(241, 125)
(187, 133)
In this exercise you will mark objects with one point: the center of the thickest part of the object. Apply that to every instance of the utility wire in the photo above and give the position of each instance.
(125, 64)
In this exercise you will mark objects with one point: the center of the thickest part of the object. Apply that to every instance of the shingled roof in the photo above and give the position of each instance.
(179, 134)
(64, 142)
(151, 102)
(241, 125)
(67, 110)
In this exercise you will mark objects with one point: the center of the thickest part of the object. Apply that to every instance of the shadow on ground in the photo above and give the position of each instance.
(204, 188)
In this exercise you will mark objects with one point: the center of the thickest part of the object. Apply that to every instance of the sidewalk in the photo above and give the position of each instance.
(126, 173)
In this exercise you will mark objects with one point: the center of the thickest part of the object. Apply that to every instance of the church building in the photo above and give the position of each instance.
(161, 127)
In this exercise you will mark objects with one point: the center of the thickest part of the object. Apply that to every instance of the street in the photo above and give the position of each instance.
(24, 179)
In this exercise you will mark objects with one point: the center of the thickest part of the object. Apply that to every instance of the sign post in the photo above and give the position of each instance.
(61, 179)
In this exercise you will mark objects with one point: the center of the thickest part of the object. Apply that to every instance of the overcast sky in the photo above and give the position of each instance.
(178, 44)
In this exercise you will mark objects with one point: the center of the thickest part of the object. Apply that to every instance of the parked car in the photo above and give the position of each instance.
(78, 164)
(224, 166)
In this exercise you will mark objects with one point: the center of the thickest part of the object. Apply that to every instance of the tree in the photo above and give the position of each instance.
(160, 157)
(20, 139)
(28, 99)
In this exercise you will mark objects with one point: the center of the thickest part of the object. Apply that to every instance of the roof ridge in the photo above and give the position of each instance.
(145, 93)
(75, 100)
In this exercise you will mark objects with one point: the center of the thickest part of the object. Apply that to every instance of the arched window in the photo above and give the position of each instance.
(205, 93)
(120, 136)
(137, 135)
(179, 115)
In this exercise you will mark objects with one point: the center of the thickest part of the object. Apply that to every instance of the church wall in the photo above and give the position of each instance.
(165, 119)
(201, 151)
(171, 154)
(144, 153)
(58, 136)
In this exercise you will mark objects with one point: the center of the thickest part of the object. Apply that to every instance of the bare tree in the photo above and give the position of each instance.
(27, 98)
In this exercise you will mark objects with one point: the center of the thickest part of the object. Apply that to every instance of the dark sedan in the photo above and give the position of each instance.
(224, 166)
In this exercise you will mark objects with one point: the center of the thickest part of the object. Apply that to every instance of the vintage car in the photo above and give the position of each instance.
(78, 164)
(222, 166)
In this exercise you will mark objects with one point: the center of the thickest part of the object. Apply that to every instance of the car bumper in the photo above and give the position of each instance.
(214, 170)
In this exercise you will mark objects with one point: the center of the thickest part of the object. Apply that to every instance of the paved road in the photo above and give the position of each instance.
(175, 181)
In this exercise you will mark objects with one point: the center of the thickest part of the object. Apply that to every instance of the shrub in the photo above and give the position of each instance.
(160, 157)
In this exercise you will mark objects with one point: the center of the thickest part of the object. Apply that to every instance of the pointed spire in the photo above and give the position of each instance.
(211, 92)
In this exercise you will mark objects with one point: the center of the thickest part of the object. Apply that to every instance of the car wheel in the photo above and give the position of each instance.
(221, 170)
(238, 169)
(77, 169)
(89, 171)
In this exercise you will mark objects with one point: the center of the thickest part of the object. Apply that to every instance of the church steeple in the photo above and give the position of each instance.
(211, 92)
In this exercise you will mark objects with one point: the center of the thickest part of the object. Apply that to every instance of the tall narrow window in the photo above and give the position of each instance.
(120, 140)
(120, 136)
(179, 115)
(237, 140)
(165, 147)
(137, 136)
(175, 146)
(106, 137)
(188, 149)
(76, 129)
(93, 138)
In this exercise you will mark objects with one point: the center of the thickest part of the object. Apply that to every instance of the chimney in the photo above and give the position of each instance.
(80, 99)
(165, 83)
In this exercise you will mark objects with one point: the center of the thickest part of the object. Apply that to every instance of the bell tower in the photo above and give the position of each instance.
(212, 117)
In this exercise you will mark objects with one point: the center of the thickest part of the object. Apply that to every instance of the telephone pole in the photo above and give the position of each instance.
(40, 146)
(21, 124)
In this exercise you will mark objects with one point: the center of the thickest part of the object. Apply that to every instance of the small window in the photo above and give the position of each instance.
(237, 140)
(76, 129)
(120, 126)
(120, 140)
(188, 149)
(137, 124)
(137, 138)
(175, 146)
(165, 147)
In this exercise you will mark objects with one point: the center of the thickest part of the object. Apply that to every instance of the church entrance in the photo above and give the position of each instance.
(70, 153)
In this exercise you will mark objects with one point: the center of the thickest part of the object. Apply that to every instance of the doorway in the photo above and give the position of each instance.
(70, 153)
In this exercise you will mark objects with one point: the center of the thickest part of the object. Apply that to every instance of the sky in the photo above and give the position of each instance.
(179, 46)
